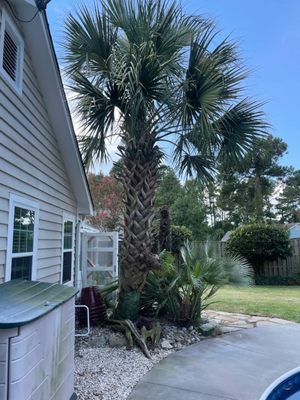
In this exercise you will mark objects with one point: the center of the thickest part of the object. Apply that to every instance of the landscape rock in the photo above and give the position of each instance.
(229, 329)
(210, 328)
(165, 344)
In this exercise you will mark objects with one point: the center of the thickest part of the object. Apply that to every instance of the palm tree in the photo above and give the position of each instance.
(146, 72)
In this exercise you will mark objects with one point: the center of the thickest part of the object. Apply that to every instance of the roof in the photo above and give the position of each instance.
(22, 302)
(292, 225)
(86, 227)
(226, 237)
(42, 53)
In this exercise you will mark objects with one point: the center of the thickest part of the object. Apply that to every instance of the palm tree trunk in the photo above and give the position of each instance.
(139, 179)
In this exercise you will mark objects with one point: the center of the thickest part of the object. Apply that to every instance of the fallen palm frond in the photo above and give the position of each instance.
(131, 332)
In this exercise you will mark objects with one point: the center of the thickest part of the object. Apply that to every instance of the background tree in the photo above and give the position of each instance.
(148, 73)
(164, 235)
(246, 189)
(169, 188)
(186, 202)
(289, 201)
(189, 209)
(234, 198)
(107, 198)
(211, 195)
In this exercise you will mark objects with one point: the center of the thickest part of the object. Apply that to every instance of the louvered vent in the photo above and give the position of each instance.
(11, 52)
(10, 56)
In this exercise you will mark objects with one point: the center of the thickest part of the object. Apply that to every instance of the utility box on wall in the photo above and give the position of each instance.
(36, 341)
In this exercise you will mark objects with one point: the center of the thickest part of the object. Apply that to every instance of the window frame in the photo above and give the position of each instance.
(21, 202)
(8, 24)
(67, 217)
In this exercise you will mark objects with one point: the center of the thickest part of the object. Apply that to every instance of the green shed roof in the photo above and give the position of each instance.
(22, 302)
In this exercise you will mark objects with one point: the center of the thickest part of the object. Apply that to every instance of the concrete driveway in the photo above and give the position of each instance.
(237, 366)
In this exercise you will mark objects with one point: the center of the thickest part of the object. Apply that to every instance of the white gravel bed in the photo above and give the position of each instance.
(109, 373)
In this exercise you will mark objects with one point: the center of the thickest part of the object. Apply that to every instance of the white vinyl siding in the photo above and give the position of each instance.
(31, 166)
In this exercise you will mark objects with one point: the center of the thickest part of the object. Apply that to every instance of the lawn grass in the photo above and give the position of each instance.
(272, 301)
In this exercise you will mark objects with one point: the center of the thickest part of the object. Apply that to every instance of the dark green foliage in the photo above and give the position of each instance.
(246, 189)
(289, 201)
(278, 280)
(180, 235)
(259, 243)
(180, 293)
(128, 305)
(169, 188)
(186, 203)
(190, 210)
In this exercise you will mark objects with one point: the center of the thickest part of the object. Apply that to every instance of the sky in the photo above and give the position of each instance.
(268, 33)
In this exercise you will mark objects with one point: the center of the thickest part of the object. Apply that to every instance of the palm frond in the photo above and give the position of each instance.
(238, 128)
(98, 112)
(89, 41)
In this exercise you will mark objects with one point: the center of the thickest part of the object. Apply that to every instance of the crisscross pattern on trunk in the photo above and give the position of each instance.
(139, 180)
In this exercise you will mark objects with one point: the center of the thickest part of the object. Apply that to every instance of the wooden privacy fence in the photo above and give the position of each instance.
(281, 267)
(284, 267)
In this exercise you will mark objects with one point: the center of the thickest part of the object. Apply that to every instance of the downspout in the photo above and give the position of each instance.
(78, 253)
(42, 4)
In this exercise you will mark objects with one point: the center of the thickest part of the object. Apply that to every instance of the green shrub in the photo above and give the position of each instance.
(277, 280)
(180, 235)
(181, 292)
(259, 243)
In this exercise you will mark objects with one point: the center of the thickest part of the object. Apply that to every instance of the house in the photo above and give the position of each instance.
(226, 237)
(294, 230)
(86, 227)
(44, 193)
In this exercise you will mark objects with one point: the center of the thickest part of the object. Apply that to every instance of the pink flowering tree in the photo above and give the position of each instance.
(107, 197)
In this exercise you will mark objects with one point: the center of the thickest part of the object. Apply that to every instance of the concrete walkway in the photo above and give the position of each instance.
(236, 366)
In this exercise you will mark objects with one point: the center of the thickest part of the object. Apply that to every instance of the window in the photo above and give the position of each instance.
(68, 251)
(22, 239)
(11, 52)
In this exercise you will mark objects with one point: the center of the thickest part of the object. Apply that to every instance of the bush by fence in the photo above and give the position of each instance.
(281, 268)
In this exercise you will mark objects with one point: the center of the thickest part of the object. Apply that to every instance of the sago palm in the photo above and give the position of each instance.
(156, 78)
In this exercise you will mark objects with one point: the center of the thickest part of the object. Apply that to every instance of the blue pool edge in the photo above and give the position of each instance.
(278, 381)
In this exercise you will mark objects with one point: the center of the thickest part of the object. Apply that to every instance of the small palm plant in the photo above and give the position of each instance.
(181, 293)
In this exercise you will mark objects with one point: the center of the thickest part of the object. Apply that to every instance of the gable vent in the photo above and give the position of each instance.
(10, 56)
(11, 52)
